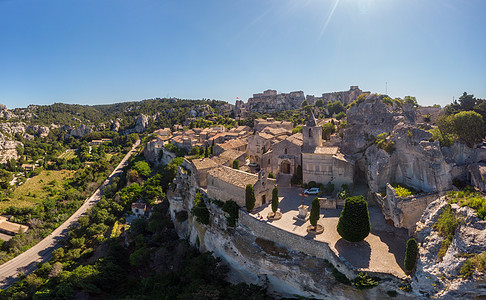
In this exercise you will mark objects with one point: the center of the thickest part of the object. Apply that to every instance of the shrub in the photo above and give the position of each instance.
(402, 191)
(315, 212)
(392, 294)
(447, 223)
(411, 254)
(363, 281)
(275, 199)
(250, 197)
(270, 175)
(354, 222)
(311, 184)
(340, 115)
(340, 277)
(200, 210)
(236, 164)
(232, 209)
(329, 189)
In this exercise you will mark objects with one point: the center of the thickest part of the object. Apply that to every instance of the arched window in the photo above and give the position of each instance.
(285, 150)
(269, 161)
(310, 132)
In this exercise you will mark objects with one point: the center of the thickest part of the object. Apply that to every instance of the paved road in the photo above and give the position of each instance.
(42, 251)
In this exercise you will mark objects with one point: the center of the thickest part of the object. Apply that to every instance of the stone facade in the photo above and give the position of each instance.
(345, 97)
(405, 212)
(269, 101)
(226, 184)
(285, 156)
(261, 124)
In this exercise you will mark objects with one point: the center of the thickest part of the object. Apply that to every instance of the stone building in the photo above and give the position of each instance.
(346, 97)
(226, 184)
(284, 157)
(260, 124)
(201, 168)
(269, 101)
(320, 163)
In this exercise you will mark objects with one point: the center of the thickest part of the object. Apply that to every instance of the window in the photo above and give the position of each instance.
(310, 132)
(285, 150)
(269, 161)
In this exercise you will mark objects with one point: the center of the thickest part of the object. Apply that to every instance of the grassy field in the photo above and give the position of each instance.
(69, 154)
(37, 188)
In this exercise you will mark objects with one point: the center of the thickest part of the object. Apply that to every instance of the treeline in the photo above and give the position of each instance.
(103, 259)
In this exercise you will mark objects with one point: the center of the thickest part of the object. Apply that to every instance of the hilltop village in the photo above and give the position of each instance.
(264, 185)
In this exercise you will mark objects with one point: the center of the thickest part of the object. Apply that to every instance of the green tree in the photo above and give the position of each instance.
(411, 100)
(320, 103)
(327, 130)
(275, 199)
(315, 212)
(354, 222)
(335, 107)
(236, 164)
(467, 102)
(250, 197)
(142, 168)
(411, 254)
(304, 104)
(469, 126)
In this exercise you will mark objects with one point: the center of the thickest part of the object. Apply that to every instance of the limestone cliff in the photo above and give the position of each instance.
(443, 279)
(254, 258)
(413, 160)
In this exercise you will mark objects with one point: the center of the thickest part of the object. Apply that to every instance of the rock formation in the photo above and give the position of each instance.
(443, 279)
(80, 131)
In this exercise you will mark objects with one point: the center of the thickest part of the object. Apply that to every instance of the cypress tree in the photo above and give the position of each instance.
(250, 197)
(274, 200)
(354, 222)
(315, 212)
(411, 254)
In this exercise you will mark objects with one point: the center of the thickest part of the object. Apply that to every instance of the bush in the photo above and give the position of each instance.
(315, 212)
(311, 184)
(329, 189)
(270, 175)
(232, 209)
(411, 254)
(250, 197)
(275, 199)
(402, 191)
(200, 210)
(236, 164)
(354, 222)
(363, 281)
(447, 223)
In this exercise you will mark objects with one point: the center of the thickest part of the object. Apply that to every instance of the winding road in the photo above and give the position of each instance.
(42, 251)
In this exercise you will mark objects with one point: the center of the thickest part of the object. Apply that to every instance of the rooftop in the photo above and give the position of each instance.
(204, 163)
(326, 150)
(232, 176)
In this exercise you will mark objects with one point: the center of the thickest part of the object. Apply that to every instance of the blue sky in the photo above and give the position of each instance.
(93, 52)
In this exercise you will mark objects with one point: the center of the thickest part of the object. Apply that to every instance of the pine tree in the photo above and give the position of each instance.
(275, 200)
(411, 254)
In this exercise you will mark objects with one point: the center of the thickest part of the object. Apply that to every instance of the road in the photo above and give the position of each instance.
(42, 251)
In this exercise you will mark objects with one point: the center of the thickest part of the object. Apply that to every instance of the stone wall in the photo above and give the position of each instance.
(294, 242)
(328, 203)
(405, 212)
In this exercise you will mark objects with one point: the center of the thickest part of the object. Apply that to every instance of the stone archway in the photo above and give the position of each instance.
(285, 167)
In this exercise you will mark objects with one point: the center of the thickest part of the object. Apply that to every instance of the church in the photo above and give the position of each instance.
(323, 164)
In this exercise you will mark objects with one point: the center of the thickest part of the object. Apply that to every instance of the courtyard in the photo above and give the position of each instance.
(382, 251)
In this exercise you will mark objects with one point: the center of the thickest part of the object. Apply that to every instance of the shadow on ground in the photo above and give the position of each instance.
(357, 254)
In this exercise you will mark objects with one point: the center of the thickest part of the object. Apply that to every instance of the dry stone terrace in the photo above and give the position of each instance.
(382, 251)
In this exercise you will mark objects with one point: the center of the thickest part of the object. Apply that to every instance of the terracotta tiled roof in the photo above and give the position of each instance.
(233, 176)
(204, 163)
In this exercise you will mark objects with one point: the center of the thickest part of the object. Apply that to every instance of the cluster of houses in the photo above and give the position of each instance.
(270, 147)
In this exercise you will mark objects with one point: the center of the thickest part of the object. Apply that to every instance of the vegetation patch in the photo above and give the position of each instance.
(471, 198)
(363, 281)
(272, 249)
(403, 190)
(200, 210)
(340, 277)
(232, 209)
(411, 254)
(38, 188)
(476, 263)
(446, 226)
(354, 222)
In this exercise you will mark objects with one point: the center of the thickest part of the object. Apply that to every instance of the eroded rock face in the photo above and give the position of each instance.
(415, 160)
(8, 150)
(80, 131)
(40, 131)
(442, 279)
(140, 125)
(115, 126)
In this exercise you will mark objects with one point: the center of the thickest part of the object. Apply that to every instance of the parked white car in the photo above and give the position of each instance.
(312, 191)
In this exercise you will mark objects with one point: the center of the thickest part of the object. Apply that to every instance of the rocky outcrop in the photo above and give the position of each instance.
(115, 126)
(8, 150)
(80, 131)
(443, 279)
(414, 160)
(5, 113)
(40, 131)
(140, 125)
